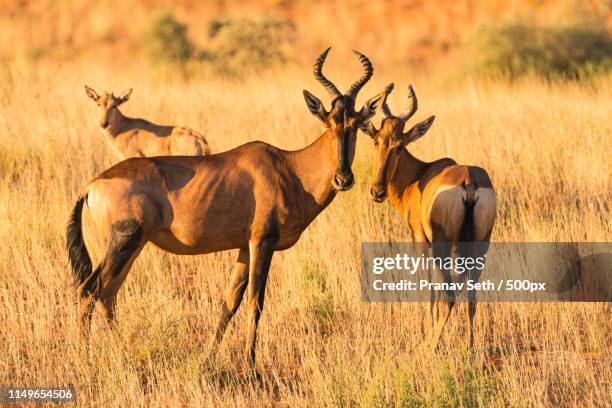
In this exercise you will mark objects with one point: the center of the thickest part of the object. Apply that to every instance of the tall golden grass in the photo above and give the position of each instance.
(546, 146)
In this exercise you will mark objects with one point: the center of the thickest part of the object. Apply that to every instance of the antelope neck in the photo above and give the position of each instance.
(403, 172)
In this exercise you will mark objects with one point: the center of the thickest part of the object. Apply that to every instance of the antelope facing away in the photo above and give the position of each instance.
(443, 203)
(129, 137)
(256, 198)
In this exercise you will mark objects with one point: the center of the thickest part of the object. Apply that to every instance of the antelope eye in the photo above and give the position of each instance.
(375, 142)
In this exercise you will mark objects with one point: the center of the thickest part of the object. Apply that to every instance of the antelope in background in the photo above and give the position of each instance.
(444, 203)
(129, 137)
(256, 198)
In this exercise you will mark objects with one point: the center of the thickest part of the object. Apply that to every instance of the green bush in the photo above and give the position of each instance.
(464, 385)
(166, 40)
(239, 45)
(571, 50)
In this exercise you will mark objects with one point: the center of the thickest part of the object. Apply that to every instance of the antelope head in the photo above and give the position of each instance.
(342, 121)
(107, 104)
(390, 140)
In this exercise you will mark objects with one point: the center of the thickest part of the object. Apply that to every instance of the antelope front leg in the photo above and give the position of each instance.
(233, 297)
(261, 252)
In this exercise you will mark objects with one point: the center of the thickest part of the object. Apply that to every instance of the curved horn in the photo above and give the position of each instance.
(369, 70)
(385, 108)
(408, 114)
(318, 74)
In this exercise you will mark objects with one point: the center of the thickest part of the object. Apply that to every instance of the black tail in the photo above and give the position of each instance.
(467, 229)
(470, 246)
(79, 257)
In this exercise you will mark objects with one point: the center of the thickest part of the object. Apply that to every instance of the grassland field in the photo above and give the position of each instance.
(546, 145)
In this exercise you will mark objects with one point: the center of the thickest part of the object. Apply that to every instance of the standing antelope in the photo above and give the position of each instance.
(256, 198)
(130, 137)
(444, 203)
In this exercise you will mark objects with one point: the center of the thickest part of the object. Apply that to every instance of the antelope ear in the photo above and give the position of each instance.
(125, 96)
(371, 106)
(91, 93)
(316, 107)
(369, 129)
(417, 130)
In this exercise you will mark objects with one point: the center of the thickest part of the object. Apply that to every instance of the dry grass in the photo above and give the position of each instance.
(547, 149)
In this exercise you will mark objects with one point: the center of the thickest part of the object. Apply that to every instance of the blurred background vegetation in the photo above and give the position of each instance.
(511, 38)
(571, 50)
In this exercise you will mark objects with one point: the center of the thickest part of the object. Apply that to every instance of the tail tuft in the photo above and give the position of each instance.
(470, 194)
(469, 198)
(77, 252)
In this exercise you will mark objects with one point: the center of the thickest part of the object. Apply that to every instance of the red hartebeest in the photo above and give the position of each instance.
(129, 137)
(444, 203)
(256, 198)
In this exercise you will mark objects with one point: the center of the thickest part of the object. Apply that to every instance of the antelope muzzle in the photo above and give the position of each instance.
(344, 178)
(378, 193)
(343, 181)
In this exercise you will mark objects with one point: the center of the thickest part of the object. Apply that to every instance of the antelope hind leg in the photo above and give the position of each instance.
(124, 245)
(233, 297)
